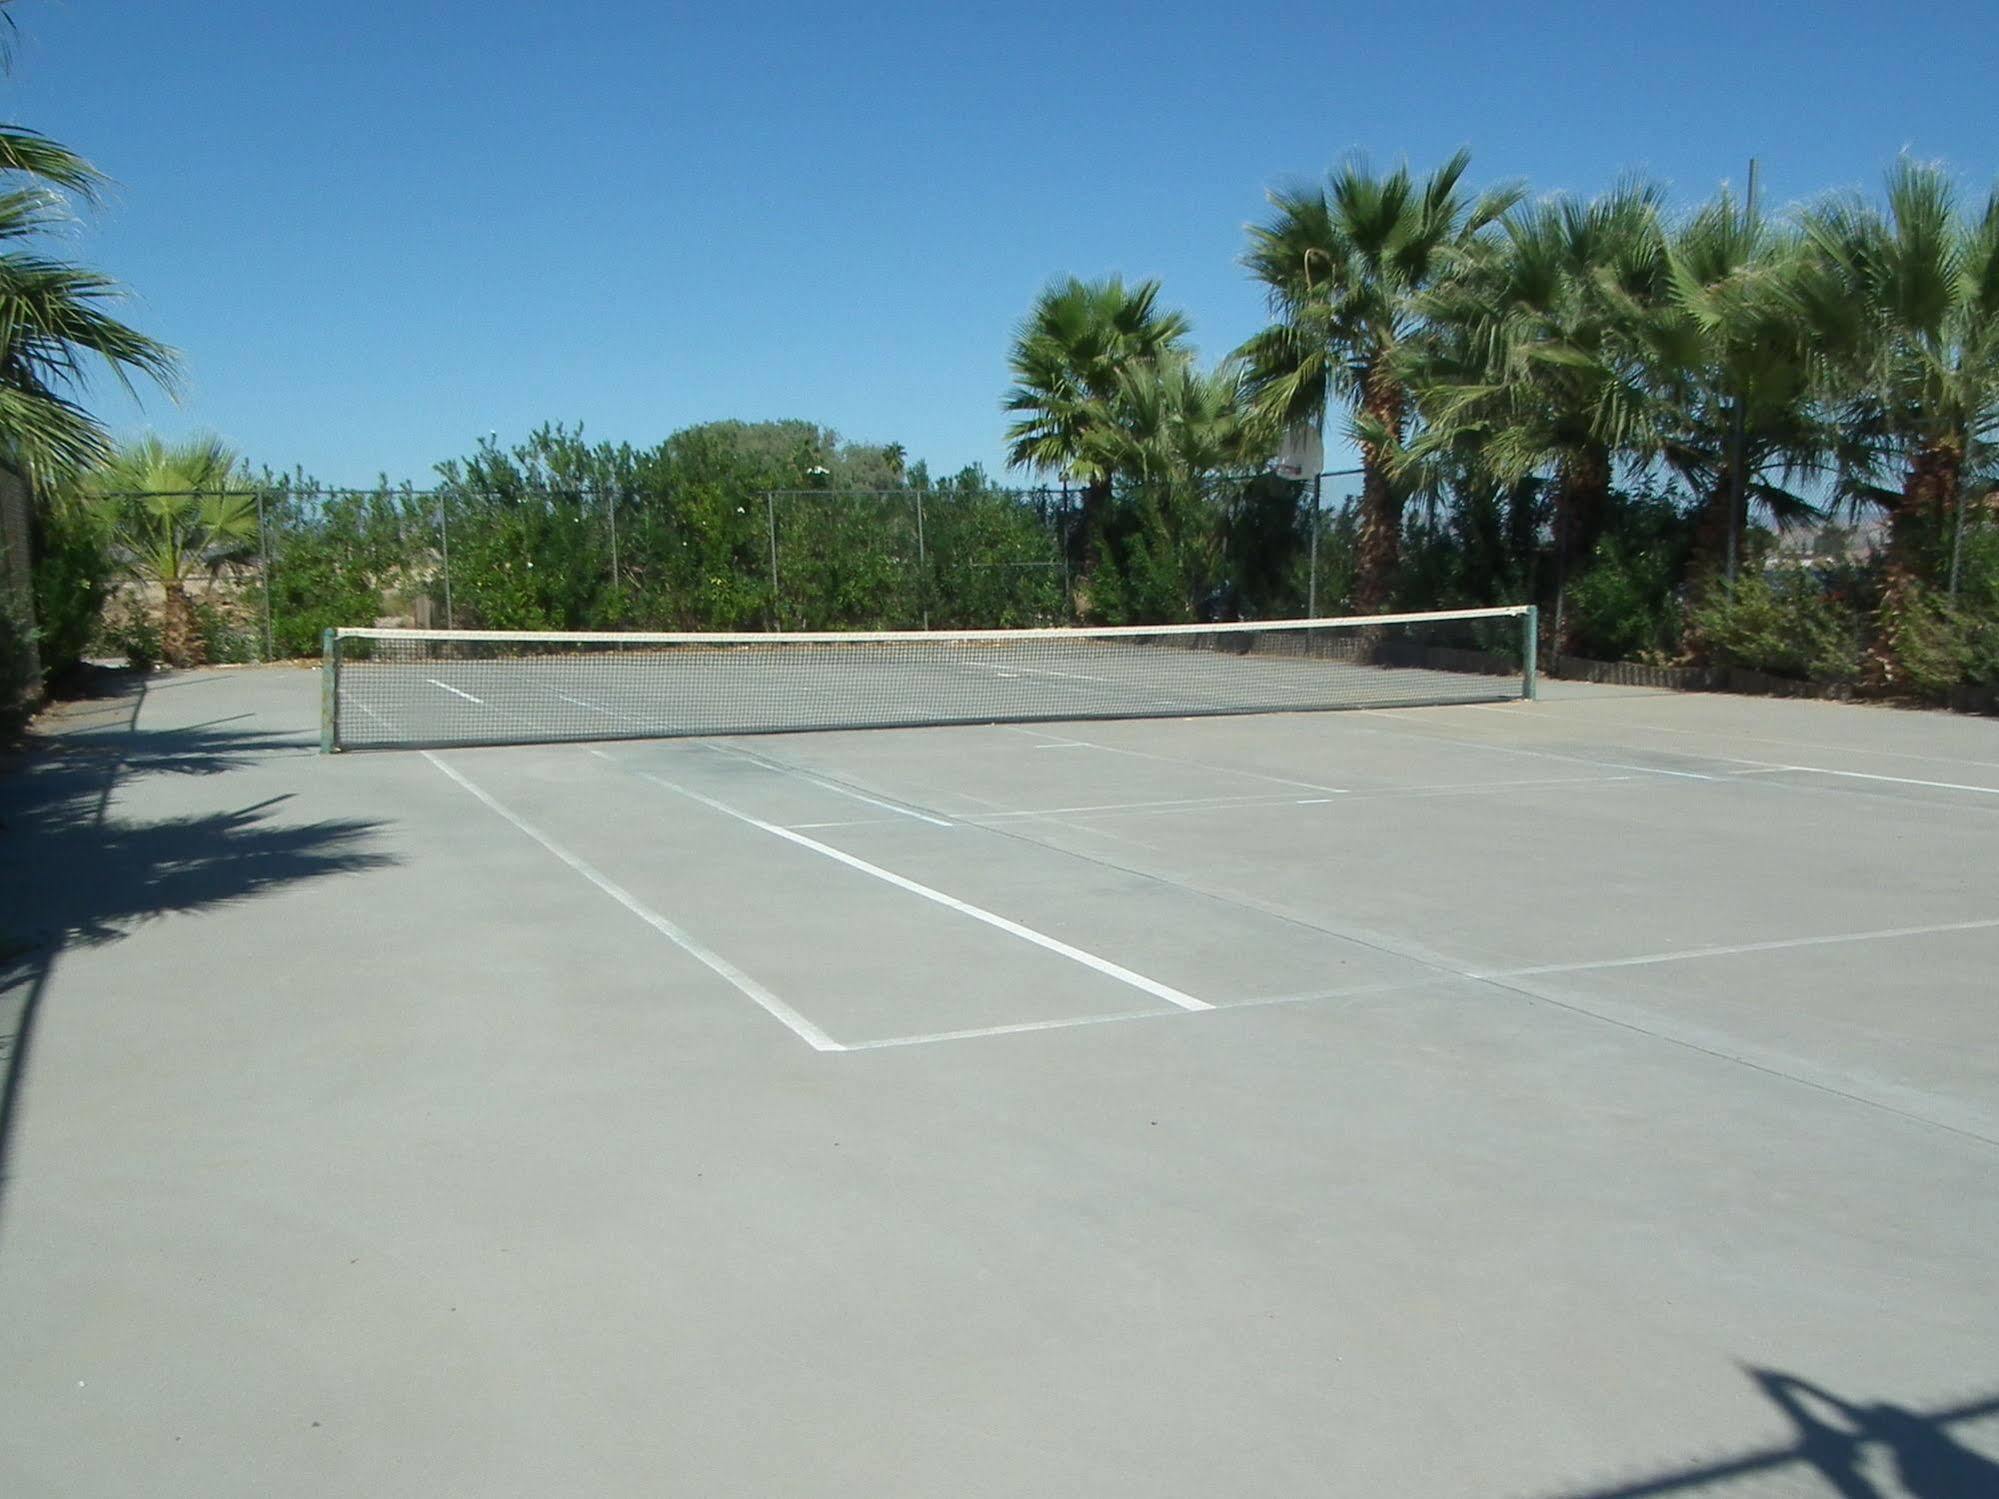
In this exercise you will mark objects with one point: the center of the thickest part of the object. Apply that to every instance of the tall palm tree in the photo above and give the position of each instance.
(1537, 355)
(1345, 265)
(1171, 433)
(174, 513)
(1068, 358)
(1909, 303)
(54, 326)
(1738, 368)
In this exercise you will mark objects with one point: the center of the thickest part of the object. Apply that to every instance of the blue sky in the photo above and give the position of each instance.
(380, 231)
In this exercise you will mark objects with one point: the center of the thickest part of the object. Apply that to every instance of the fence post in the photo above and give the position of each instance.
(922, 564)
(444, 539)
(329, 693)
(264, 549)
(770, 525)
(1312, 551)
(1530, 650)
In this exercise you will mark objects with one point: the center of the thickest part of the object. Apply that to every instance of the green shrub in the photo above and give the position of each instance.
(227, 637)
(133, 634)
(1930, 644)
(73, 570)
(1786, 623)
(18, 687)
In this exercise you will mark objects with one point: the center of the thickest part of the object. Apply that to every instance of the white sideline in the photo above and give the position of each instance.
(449, 688)
(776, 1008)
(951, 902)
(1739, 949)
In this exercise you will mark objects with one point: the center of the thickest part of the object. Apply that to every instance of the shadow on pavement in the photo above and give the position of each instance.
(1871, 1450)
(74, 871)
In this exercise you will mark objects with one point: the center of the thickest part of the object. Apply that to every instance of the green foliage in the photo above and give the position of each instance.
(133, 635)
(1783, 622)
(18, 686)
(230, 638)
(1626, 604)
(73, 568)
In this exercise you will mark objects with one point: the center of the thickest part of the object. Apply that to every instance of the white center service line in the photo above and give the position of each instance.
(951, 902)
(593, 707)
(798, 1025)
(1767, 767)
(449, 688)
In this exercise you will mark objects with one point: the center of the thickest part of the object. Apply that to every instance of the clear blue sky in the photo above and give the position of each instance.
(380, 231)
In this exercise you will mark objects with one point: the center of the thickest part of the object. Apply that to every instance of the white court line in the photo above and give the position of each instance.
(833, 786)
(1687, 954)
(1028, 671)
(593, 707)
(1767, 767)
(1507, 749)
(357, 703)
(978, 1033)
(964, 908)
(799, 1026)
(449, 688)
(1544, 709)
(1227, 770)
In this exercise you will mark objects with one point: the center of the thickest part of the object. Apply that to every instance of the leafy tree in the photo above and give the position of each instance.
(1908, 302)
(1738, 370)
(1070, 358)
(1537, 355)
(173, 514)
(1345, 265)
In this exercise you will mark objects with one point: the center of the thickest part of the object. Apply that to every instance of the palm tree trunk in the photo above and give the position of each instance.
(1378, 545)
(1929, 490)
(1582, 495)
(180, 634)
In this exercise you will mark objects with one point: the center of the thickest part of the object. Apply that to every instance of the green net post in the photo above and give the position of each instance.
(329, 694)
(1530, 651)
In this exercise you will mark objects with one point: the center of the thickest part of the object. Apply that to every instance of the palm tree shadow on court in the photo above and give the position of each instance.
(75, 871)
(1875, 1450)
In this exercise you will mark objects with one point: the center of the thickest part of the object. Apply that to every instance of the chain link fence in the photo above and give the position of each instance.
(590, 558)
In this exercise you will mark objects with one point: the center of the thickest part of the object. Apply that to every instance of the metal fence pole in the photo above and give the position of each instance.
(611, 507)
(1312, 552)
(264, 550)
(1530, 650)
(444, 541)
(1957, 543)
(329, 693)
(770, 525)
(922, 564)
(1062, 546)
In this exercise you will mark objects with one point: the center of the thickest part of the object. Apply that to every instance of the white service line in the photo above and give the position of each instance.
(449, 688)
(1645, 960)
(1227, 770)
(1767, 767)
(357, 703)
(951, 902)
(593, 707)
(1507, 749)
(799, 1026)
(825, 785)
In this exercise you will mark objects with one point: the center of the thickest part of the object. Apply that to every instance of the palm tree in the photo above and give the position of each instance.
(1069, 356)
(1737, 366)
(53, 324)
(1170, 432)
(1909, 303)
(1536, 358)
(1346, 265)
(173, 513)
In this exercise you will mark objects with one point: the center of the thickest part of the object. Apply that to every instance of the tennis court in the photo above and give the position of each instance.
(1590, 1096)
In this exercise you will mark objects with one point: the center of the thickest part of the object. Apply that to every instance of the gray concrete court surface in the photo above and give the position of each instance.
(1589, 1097)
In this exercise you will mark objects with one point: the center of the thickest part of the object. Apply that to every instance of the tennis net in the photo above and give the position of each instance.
(410, 689)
